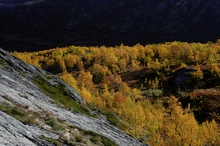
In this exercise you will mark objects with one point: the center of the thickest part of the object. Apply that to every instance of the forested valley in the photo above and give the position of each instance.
(164, 94)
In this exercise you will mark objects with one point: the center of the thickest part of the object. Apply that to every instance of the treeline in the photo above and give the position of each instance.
(156, 56)
(95, 72)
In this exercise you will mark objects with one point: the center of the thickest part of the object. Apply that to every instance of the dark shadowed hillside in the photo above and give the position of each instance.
(41, 24)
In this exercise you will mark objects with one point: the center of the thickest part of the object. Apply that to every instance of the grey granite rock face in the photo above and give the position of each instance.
(16, 85)
(13, 132)
(18, 69)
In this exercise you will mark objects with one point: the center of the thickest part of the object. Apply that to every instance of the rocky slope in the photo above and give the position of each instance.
(18, 92)
(40, 24)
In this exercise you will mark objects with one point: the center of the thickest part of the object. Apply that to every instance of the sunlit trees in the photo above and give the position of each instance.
(210, 133)
(107, 97)
(198, 72)
(138, 120)
(97, 74)
(154, 123)
(86, 95)
(181, 128)
(85, 80)
(62, 66)
(70, 60)
(67, 77)
(215, 69)
(110, 60)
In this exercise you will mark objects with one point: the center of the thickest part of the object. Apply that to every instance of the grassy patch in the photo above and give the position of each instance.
(56, 142)
(107, 142)
(96, 138)
(2, 62)
(17, 112)
(114, 120)
(60, 94)
(54, 124)
(20, 114)
(83, 137)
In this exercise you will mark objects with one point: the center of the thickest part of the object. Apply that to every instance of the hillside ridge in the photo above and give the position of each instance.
(18, 91)
(51, 23)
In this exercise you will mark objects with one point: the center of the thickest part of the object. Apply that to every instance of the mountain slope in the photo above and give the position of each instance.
(30, 104)
(34, 25)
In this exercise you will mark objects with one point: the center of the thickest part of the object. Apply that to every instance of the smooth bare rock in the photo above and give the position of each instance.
(13, 132)
(23, 72)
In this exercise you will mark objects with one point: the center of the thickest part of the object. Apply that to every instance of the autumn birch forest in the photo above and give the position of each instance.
(164, 94)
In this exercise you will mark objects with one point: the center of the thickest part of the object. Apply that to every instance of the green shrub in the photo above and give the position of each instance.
(154, 92)
(107, 142)
(95, 139)
(17, 112)
(54, 124)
